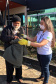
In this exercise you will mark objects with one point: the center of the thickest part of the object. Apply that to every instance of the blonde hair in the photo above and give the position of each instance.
(50, 28)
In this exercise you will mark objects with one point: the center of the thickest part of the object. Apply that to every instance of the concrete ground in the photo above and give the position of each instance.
(29, 74)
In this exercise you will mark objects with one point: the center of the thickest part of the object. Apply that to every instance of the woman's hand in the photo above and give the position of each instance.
(24, 42)
(30, 39)
(25, 36)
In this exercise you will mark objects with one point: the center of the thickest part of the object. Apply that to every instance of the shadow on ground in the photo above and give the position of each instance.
(3, 80)
(37, 67)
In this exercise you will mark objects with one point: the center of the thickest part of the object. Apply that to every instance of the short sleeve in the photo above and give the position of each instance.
(48, 36)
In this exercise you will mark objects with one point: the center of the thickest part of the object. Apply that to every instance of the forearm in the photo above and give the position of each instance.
(42, 43)
(30, 39)
(36, 44)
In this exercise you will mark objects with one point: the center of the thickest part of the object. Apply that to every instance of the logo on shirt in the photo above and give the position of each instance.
(48, 37)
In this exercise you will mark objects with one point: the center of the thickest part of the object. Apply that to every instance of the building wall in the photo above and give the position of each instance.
(18, 10)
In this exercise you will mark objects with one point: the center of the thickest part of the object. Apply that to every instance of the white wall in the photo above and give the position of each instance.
(0, 12)
(18, 10)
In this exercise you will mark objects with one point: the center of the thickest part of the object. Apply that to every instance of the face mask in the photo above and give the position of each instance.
(42, 27)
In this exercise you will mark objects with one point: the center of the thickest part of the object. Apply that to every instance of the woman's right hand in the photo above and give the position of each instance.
(25, 36)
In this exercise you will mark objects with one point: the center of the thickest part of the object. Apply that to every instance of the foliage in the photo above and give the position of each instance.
(54, 54)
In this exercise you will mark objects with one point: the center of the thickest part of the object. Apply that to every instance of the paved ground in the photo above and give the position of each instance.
(29, 75)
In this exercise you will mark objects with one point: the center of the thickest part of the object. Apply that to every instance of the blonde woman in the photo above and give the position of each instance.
(45, 40)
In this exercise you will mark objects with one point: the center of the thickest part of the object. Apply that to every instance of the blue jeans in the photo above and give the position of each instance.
(44, 61)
